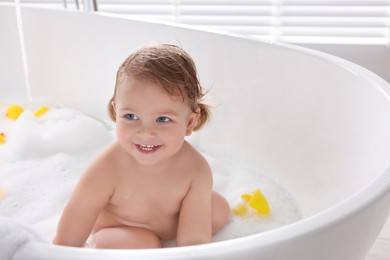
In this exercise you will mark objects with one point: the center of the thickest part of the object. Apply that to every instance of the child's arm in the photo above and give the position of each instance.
(79, 216)
(195, 214)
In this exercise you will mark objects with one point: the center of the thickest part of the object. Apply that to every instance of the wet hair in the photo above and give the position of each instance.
(173, 69)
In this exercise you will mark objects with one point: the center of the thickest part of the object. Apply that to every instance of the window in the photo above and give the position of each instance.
(293, 21)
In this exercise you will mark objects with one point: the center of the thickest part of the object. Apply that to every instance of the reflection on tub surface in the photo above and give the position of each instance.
(44, 156)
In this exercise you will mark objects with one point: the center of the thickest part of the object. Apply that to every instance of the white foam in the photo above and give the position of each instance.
(44, 157)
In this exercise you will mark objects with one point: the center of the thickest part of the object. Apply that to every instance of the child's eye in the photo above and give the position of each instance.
(131, 117)
(163, 119)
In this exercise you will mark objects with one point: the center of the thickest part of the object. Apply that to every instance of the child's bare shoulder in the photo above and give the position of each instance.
(196, 161)
(105, 161)
(98, 178)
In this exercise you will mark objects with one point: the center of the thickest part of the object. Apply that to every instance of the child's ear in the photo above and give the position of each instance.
(112, 110)
(192, 121)
(113, 106)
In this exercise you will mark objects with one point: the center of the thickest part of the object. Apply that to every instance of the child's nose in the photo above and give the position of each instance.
(147, 130)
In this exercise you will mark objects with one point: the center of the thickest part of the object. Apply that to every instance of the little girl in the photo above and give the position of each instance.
(150, 184)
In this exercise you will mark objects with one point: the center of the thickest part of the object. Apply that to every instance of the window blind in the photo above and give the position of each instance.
(40, 3)
(294, 21)
(335, 21)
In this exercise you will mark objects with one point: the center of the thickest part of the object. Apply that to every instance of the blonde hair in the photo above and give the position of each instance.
(173, 69)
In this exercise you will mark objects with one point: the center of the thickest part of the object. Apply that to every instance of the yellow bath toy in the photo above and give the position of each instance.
(246, 197)
(2, 138)
(41, 111)
(14, 112)
(259, 202)
(240, 210)
(256, 201)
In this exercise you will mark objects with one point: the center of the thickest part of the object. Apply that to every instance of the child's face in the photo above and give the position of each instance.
(150, 124)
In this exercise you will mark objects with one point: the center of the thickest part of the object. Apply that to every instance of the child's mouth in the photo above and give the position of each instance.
(147, 148)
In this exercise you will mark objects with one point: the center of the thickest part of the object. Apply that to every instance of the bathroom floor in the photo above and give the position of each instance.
(381, 249)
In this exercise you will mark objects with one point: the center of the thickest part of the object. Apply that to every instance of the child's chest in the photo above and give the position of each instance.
(140, 199)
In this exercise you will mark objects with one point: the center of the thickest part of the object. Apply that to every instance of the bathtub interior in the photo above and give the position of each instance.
(305, 120)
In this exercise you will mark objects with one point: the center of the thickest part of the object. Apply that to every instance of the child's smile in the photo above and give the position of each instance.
(147, 148)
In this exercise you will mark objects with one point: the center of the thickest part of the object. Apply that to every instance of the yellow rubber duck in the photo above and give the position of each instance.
(240, 210)
(2, 138)
(41, 111)
(256, 201)
(14, 111)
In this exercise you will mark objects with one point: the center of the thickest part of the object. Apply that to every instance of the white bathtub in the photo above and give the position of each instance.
(317, 124)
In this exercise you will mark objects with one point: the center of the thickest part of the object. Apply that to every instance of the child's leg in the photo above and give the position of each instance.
(220, 211)
(136, 238)
(126, 238)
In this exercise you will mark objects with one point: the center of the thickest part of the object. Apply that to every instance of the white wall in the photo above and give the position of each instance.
(11, 68)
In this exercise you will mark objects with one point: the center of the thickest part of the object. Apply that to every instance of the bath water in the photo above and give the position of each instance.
(43, 158)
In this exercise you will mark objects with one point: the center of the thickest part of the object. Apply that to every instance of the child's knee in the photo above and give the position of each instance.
(149, 240)
(126, 238)
(220, 212)
(99, 240)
